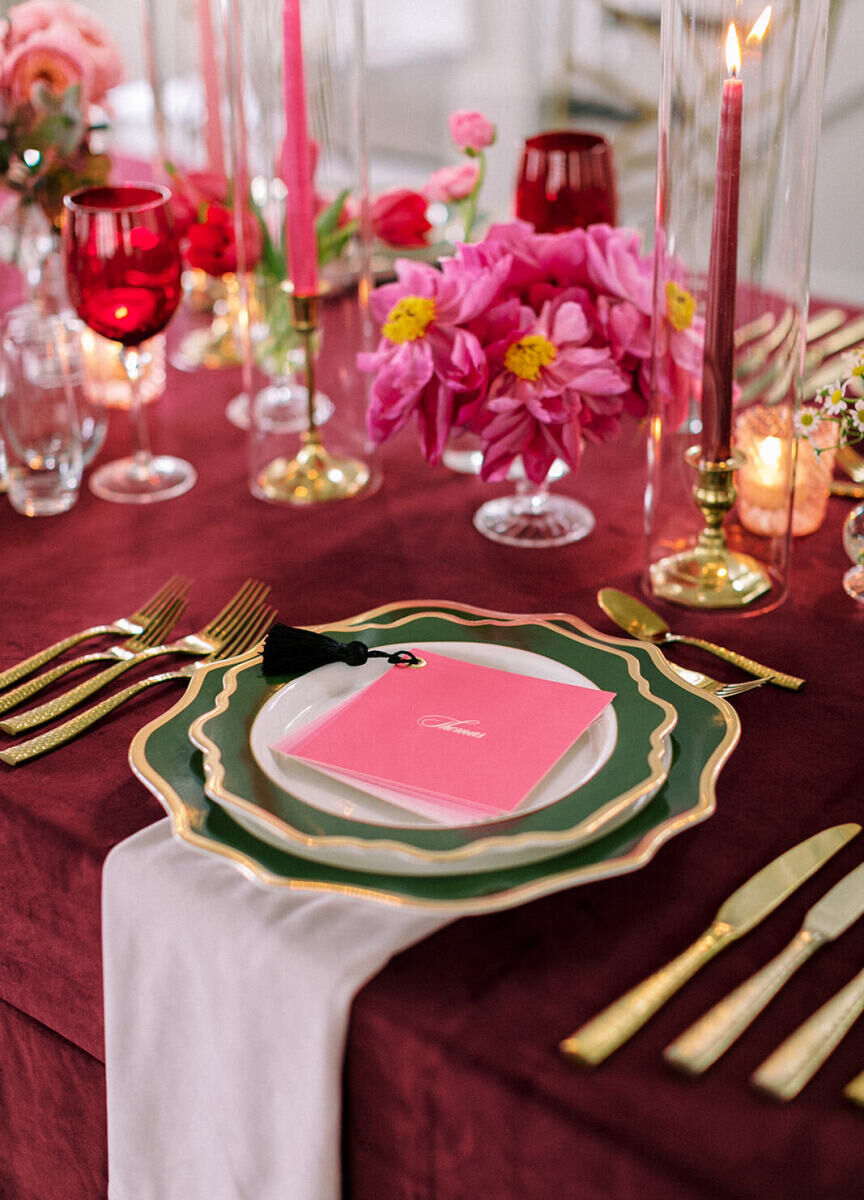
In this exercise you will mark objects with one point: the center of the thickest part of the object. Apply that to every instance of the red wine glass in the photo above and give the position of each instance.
(566, 180)
(123, 274)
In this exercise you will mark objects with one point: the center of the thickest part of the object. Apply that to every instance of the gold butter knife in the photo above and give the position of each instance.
(784, 1072)
(709, 1037)
(743, 910)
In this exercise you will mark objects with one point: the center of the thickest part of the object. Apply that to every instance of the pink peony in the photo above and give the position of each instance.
(452, 183)
(399, 217)
(471, 131)
(426, 363)
(547, 377)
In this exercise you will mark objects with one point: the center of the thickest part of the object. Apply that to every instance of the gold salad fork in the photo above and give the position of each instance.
(233, 619)
(135, 623)
(161, 625)
(244, 638)
(726, 690)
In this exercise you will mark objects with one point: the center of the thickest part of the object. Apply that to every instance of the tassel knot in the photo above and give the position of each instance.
(291, 651)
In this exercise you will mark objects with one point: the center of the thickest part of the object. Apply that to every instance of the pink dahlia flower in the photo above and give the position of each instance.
(549, 384)
(624, 277)
(426, 364)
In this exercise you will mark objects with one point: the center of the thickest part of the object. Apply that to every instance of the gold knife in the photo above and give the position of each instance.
(785, 1071)
(709, 1037)
(744, 909)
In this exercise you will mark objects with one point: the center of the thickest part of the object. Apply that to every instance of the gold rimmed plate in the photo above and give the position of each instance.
(704, 737)
(592, 790)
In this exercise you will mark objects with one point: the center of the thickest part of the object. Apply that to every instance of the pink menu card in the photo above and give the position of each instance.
(472, 737)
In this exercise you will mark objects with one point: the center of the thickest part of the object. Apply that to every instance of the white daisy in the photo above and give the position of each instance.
(807, 421)
(834, 403)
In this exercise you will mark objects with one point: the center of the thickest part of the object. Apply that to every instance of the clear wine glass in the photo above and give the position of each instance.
(566, 180)
(123, 268)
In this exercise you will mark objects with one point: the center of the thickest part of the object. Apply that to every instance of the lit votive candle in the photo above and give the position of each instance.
(766, 437)
(107, 382)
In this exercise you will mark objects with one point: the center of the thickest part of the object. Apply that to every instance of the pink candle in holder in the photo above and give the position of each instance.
(297, 160)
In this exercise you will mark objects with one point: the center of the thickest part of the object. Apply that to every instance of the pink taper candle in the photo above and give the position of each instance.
(212, 93)
(297, 160)
(718, 363)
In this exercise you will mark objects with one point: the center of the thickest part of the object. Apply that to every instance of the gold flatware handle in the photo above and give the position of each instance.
(32, 687)
(604, 1033)
(61, 704)
(35, 661)
(712, 1035)
(852, 463)
(854, 1090)
(61, 734)
(848, 489)
(784, 1072)
(780, 678)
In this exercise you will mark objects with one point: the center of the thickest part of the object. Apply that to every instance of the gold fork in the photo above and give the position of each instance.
(243, 640)
(163, 621)
(135, 623)
(233, 618)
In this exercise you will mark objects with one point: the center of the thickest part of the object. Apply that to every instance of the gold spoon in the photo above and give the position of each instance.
(642, 622)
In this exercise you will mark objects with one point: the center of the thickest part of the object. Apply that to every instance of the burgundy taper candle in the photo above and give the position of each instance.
(719, 355)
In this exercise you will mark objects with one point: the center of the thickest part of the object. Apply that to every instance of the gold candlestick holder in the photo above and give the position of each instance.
(711, 574)
(314, 474)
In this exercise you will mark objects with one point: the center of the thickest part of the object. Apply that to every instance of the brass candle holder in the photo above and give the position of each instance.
(710, 574)
(314, 475)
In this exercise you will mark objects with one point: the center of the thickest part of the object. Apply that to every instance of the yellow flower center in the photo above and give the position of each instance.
(527, 357)
(680, 306)
(409, 318)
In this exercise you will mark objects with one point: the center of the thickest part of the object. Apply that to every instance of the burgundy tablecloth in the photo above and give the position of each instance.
(453, 1084)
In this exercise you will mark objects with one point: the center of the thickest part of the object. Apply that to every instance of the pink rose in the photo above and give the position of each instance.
(452, 183)
(55, 57)
(399, 217)
(64, 25)
(471, 130)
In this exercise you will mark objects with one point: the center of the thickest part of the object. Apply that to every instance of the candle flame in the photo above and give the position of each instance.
(733, 51)
(757, 33)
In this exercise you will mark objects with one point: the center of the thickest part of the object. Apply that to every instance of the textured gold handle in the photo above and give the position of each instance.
(35, 661)
(70, 729)
(854, 1090)
(614, 1025)
(784, 1073)
(32, 686)
(712, 1035)
(780, 678)
(61, 704)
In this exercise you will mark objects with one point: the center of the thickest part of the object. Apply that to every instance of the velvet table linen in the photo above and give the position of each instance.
(453, 1086)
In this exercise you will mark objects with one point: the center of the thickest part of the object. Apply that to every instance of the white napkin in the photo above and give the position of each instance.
(226, 1009)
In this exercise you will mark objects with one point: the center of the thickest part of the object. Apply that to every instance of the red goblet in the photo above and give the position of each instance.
(123, 275)
(566, 179)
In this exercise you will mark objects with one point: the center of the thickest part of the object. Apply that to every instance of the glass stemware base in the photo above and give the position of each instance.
(135, 481)
(853, 543)
(533, 518)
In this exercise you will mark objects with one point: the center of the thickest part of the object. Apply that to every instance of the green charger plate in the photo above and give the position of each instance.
(622, 785)
(707, 730)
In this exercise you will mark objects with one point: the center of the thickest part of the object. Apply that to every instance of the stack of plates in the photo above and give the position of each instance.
(644, 771)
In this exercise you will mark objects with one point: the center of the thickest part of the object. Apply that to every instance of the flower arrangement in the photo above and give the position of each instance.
(472, 133)
(535, 342)
(839, 404)
(56, 61)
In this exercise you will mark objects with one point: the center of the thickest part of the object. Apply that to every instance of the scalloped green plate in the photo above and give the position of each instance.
(707, 731)
(622, 785)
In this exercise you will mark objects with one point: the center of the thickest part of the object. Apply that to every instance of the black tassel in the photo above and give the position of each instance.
(290, 651)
